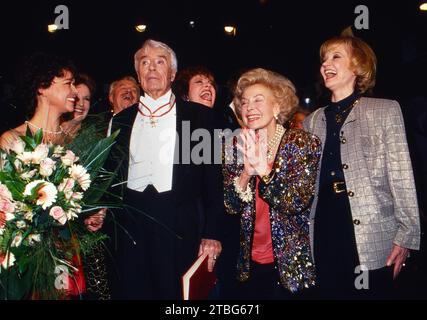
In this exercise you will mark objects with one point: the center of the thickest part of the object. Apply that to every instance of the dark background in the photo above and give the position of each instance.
(281, 35)
(284, 36)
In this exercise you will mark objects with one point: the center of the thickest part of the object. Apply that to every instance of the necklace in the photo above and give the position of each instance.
(61, 131)
(339, 118)
(152, 114)
(273, 142)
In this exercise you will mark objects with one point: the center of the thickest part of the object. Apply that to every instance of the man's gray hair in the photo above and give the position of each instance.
(114, 84)
(156, 44)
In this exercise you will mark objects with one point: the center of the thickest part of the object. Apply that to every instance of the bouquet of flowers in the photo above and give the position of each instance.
(46, 191)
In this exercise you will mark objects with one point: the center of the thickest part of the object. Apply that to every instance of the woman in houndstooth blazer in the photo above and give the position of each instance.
(365, 212)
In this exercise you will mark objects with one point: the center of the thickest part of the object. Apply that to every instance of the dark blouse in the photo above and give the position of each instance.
(331, 168)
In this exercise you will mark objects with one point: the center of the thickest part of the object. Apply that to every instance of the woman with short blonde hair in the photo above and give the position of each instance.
(365, 214)
(282, 89)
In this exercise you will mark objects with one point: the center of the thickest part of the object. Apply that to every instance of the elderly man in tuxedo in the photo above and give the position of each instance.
(171, 202)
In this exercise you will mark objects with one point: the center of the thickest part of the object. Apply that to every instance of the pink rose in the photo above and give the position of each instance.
(40, 153)
(6, 206)
(58, 214)
(69, 158)
(4, 192)
(46, 167)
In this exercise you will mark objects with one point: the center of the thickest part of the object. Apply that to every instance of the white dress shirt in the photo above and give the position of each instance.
(152, 147)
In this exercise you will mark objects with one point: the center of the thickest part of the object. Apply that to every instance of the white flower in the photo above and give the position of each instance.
(16, 242)
(69, 159)
(18, 146)
(40, 153)
(58, 214)
(29, 174)
(9, 216)
(76, 196)
(30, 186)
(66, 187)
(76, 207)
(34, 238)
(58, 151)
(72, 213)
(21, 224)
(2, 161)
(5, 193)
(29, 216)
(26, 157)
(47, 195)
(79, 173)
(46, 167)
(18, 165)
(7, 260)
(46, 192)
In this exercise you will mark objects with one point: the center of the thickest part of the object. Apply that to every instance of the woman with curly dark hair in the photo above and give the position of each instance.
(48, 91)
(196, 84)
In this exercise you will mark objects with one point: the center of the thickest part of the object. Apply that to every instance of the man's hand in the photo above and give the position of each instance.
(213, 248)
(95, 221)
(397, 257)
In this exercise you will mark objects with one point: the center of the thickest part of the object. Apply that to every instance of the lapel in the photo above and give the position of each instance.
(353, 117)
(321, 126)
(124, 121)
(182, 145)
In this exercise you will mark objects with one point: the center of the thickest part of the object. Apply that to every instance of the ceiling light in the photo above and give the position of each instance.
(423, 6)
(140, 27)
(52, 28)
(230, 30)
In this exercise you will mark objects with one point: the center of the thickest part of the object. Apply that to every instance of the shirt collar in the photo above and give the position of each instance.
(343, 104)
(149, 101)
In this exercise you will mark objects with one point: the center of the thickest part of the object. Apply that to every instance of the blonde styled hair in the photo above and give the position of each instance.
(363, 60)
(283, 90)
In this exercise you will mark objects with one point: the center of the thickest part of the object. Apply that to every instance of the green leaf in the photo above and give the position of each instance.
(38, 136)
(29, 142)
(99, 153)
(59, 175)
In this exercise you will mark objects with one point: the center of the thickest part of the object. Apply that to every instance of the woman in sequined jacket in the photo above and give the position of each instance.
(269, 179)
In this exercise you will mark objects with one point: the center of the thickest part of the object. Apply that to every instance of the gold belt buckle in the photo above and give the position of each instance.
(339, 187)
